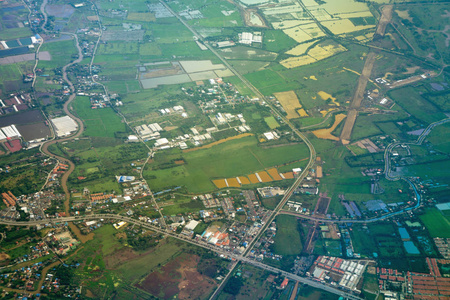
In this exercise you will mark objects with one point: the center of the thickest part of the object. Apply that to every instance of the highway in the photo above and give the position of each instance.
(189, 240)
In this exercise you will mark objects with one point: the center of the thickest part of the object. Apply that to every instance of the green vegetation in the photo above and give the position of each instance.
(271, 122)
(436, 223)
(98, 122)
(287, 238)
(277, 41)
(61, 52)
(412, 102)
(233, 158)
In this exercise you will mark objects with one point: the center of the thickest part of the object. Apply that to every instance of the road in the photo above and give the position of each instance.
(189, 240)
(358, 96)
(420, 139)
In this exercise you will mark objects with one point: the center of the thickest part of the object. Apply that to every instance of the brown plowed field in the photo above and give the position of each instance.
(264, 176)
(288, 175)
(232, 182)
(244, 180)
(274, 174)
(220, 183)
(253, 178)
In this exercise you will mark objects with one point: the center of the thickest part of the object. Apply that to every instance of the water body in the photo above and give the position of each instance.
(410, 247)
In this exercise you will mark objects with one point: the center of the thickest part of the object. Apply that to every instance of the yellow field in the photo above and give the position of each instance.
(303, 33)
(218, 142)
(316, 53)
(325, 112)
(141, 17)
(288, 175)
(288, 24)
(220, 183)
(264, 176)
(326, 133)
(344, 26)
(300, 49)
(290, 103)
(244, 180)
(302, 112)
(232, 182)
(274, 174)
(326, 96)
(253, 178)
(321, 52)
(293, 62)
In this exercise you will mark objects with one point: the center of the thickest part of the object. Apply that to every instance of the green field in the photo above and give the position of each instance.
(271, 122)
(61, 53)
(436, 223)
(233, 158)
(98, 122)
(411, 101)
(277, 40)
(287, 238)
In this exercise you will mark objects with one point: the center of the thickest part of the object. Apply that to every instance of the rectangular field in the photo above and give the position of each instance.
(436, 224)
(290, 103)
(227, 160)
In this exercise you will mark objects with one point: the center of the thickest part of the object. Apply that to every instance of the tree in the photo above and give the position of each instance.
(233, 285)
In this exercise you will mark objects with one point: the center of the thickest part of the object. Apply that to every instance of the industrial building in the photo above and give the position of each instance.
(64, 125)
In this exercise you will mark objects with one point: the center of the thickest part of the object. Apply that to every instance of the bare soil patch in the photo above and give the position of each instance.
(4, 256)
(178, 277)
(123, 255)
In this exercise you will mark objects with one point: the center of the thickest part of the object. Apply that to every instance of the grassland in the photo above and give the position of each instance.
(98, 122)
(287, 238)
(61, 52)
(277, 41)
(230, 159)
(416, 105)
(436, 224)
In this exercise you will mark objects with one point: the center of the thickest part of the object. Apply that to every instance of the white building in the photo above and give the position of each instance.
(64, 125)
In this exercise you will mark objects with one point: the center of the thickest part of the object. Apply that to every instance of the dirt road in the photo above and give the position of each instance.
(358, 96)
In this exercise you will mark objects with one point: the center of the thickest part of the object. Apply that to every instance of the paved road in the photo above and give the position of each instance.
(420, 139)
(187, 239)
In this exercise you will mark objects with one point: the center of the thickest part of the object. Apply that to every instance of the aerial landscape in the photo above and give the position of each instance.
(225, 149)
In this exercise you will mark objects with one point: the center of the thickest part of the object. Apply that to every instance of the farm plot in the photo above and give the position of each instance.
(227, 160)
(436, 224)
(287, 239)
(291, 105)
(326, 133)
(315, 53)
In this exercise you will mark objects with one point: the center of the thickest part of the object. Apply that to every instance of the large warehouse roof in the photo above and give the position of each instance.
(64, 125)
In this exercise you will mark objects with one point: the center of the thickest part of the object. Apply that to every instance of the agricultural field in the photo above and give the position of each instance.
(287, 239)
(290, 104)
(98, 122)
(230, 159)
(436, 224)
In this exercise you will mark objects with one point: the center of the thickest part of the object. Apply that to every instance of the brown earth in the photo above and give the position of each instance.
(178, 277)
(362, 82)
(385, 19)
(119, 257)
(4, 256)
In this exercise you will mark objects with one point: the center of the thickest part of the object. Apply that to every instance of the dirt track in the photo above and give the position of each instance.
(364, 78)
